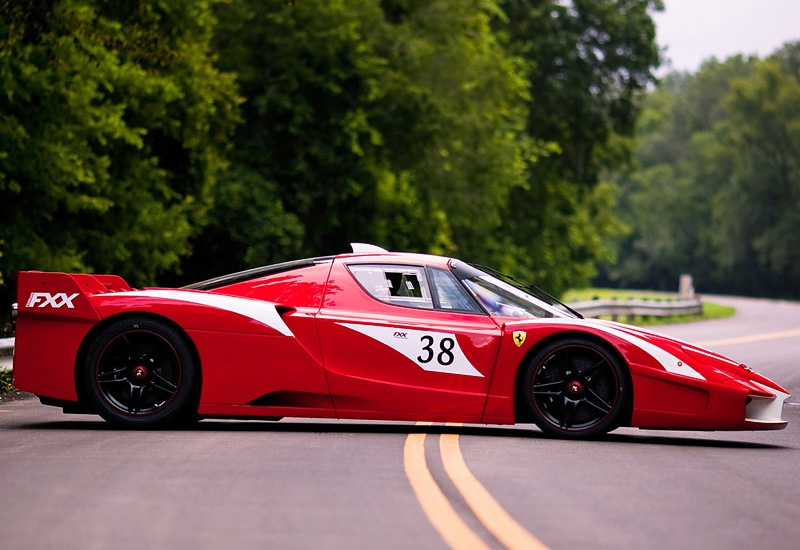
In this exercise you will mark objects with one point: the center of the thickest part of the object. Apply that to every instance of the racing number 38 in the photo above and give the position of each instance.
(442, 352)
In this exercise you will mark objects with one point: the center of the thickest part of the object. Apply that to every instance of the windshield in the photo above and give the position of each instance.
(501, 298)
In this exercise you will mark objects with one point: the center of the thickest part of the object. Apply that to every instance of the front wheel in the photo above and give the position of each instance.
(576, 388)
(140, 372)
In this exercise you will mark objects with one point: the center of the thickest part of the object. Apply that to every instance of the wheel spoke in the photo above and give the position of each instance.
(549, 388)
(129, 345)
(564, 364)
(137, 393)
(594, 400)
(147, 354)
(114, 381)
(570, 408)
(585, 375)
(161, 383)
(111, 376)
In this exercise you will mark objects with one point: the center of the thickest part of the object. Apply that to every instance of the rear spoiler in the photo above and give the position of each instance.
(63, 294)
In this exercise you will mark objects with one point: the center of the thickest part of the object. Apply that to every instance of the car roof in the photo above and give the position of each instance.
(372, 257)
(395, 258)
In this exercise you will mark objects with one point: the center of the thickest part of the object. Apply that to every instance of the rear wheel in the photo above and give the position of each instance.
(140, 372)
(576, 388)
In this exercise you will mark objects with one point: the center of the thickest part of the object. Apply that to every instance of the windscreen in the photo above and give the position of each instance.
(501, 298)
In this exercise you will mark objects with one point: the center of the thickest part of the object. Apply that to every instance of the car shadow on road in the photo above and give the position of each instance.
(626, 436)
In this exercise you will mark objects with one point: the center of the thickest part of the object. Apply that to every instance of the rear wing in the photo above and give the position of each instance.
(62, 294)
(54, 314)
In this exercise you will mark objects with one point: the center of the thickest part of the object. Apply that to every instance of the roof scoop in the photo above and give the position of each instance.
(364, 248)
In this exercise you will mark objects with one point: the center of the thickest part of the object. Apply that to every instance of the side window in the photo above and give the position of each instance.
(451, 293)
(399, 285)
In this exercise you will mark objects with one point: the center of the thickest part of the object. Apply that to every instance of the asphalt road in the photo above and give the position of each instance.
(72, 482)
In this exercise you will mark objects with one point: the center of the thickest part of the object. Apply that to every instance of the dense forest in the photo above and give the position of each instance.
(173, 140)
(170, 140)
(715, 187)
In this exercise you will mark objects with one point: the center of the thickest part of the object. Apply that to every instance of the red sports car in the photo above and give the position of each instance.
(367, 335)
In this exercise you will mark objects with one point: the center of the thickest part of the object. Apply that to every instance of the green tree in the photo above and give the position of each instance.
(717, 189)
(757, 213)
(667, 198)
(397, 122)
(113, 128)
(410, 123)
(452, 118)
(587, 61)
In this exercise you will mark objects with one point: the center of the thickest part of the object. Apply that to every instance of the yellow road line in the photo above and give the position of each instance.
(751, 338)
(437, 508)
(455, 532)
(510, 533)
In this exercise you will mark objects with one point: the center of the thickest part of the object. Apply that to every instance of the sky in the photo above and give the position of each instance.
(695, 30)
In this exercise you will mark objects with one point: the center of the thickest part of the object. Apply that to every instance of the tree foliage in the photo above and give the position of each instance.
(475, 127)
(717, 192)
(146, 137)
(113, 126)
(397, 122)
(586, 62)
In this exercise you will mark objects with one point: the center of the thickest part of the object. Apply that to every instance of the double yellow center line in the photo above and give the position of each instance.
(440, 512)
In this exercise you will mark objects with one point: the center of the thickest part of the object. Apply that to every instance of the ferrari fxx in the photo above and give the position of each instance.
(367, 335)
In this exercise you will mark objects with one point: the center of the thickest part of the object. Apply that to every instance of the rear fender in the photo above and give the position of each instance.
(54, 315)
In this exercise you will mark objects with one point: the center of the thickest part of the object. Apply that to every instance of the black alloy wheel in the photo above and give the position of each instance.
(576, 388)
(141, 373)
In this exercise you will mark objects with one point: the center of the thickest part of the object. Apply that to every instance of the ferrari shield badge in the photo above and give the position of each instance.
(519, 337)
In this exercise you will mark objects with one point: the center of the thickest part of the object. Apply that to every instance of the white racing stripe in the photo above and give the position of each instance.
(432, 351)
(263, 312)
(665, 359)
(668, 361)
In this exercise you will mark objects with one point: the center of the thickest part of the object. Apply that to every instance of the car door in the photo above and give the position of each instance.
(405, 342)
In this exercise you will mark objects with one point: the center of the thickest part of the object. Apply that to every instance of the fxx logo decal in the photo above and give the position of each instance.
(56, 301)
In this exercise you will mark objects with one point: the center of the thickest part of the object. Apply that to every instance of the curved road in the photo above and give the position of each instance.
(72, 482)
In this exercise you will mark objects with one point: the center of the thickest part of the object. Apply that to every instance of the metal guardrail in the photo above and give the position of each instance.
(590, 308)
(631, 308)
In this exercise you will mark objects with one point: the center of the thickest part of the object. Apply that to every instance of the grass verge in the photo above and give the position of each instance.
(5, 382)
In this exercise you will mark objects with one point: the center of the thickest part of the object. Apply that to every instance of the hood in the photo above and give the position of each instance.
(709, 364)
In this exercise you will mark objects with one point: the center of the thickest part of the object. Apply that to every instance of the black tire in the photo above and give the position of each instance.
(576, 389)
(140, 373)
